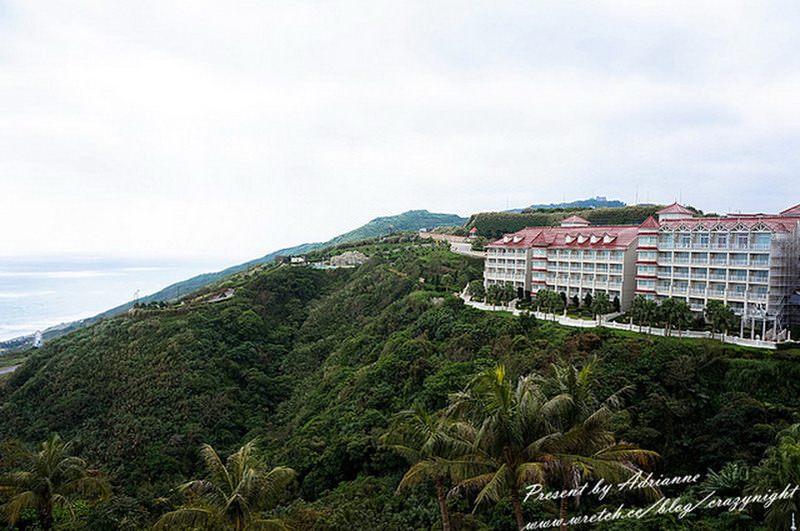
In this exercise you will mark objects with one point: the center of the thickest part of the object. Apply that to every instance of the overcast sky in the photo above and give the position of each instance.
(232, 129)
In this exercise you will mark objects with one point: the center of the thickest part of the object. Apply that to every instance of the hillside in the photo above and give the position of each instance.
(314, 363)
(411, 220)
(495, 224)
(594, 202)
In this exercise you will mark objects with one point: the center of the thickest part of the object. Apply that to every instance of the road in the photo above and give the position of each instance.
(4, 370)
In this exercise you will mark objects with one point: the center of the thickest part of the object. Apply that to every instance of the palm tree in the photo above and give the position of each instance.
(588, 449)
(232, 496)
(601, 305)
(675, 313)
(523, 436)
(429, 442)
(780, 467)
(46, 478)
(720, 315)
(510, 439)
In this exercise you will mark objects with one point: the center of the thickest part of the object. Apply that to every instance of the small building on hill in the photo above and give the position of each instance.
(349, 259)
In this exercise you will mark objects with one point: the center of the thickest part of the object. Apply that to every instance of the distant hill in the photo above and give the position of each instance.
(595, 202)
(495, 224)
(410, 220)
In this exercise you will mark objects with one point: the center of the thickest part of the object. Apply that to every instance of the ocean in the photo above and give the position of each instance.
(36, 293)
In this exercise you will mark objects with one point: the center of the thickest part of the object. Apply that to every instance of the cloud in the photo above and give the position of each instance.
(185, 129)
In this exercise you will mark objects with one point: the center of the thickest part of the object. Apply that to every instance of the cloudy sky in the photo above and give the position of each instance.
(231, 129)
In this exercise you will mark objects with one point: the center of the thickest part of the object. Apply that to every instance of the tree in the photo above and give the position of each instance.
(643, 311)
(588, 449)
(675, 313)
(507, 292)
(511, 428)
(780, 467)
(476, 290)
(479, 243)
(721, 316)
(587, 301)
(429, 443)
(601, 305)
(576, 302)
(233, 495)
(549, 301)
(46, 478)
(616, 303)
(520, 435)
(494, 294)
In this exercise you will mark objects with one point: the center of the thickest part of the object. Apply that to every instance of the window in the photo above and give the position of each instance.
(741, 240)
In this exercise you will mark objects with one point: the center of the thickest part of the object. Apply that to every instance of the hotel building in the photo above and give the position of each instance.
(750, 262)
(574, 258)
(747, 261)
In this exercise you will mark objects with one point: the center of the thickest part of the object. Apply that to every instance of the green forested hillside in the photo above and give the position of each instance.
(495, 224)
(411, 220)
(315, 363)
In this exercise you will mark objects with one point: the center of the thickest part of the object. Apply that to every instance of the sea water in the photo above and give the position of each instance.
(37, 293)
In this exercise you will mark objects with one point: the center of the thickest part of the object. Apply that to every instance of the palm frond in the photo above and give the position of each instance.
(217, 472)
(184, 518)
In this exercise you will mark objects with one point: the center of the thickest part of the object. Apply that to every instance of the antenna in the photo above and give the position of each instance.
(636, 198)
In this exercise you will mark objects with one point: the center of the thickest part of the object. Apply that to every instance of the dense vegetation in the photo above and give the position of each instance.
(492, 225)
(315, 364)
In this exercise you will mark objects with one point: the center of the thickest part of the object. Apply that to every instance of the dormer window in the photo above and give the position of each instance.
(594, 239)
(517, 239)
(581, 239)
(569, 239)
(608, 238)
(506, 239)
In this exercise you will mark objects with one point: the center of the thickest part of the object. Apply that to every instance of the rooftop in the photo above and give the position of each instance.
(606, 237)
(675, 208)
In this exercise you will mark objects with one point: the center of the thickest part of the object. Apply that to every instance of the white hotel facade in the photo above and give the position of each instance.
(751, 262)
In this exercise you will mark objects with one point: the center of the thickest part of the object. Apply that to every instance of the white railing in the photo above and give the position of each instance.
(607, 323)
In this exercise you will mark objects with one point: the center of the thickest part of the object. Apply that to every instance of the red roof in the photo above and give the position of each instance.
(575, 219)
(792, 211)
(675, 208)
(650, 223)
(775, 223)
(619, 236)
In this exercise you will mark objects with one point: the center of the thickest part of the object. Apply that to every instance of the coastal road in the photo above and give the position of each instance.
(4, 370)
